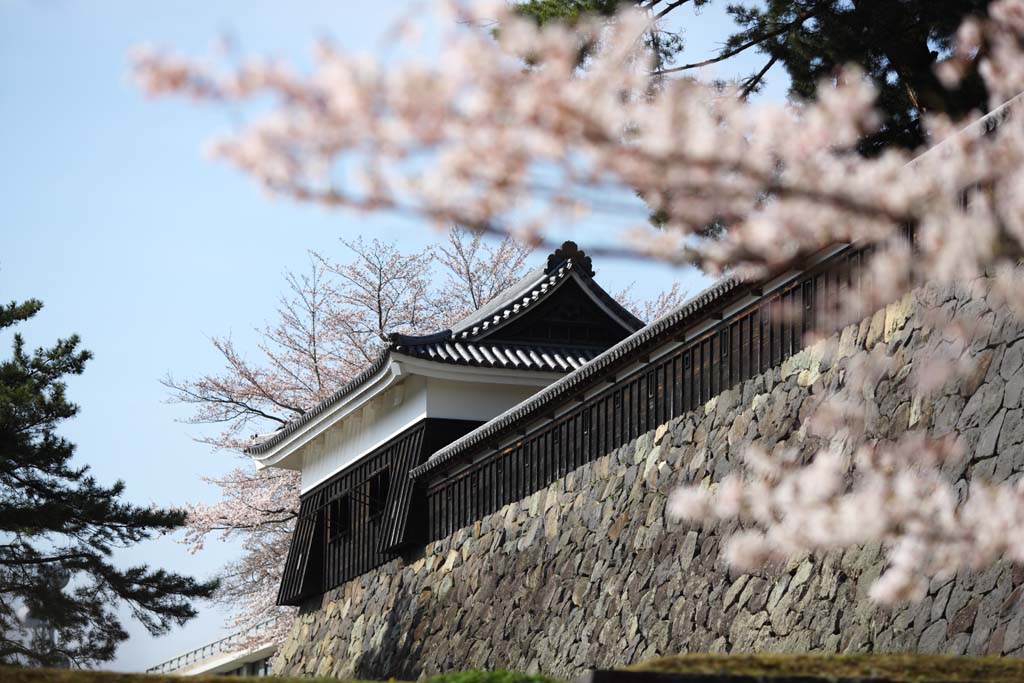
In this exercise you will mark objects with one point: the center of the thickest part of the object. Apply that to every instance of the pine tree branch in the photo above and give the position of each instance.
(752, 82)
(668, 9)
(743, 47)
(50, 559)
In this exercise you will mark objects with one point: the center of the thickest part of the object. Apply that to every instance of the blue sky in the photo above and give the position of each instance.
(133, 240)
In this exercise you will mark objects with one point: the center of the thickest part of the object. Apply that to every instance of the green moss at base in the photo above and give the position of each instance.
(887, 668)
(497, 676)
(878, 668)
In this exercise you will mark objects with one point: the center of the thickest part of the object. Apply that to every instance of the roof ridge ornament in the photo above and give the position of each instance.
(570, 253)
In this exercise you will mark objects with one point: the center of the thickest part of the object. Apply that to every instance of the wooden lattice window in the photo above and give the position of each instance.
(339, 518)
(377, 492)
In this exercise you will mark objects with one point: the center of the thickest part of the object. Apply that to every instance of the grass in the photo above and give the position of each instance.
(877, 668)
(22, 675)
(497, 676)
(887, 668)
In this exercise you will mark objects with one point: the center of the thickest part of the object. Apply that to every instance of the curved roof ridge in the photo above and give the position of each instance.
(511, 297)
(535, 286)
(484, 321)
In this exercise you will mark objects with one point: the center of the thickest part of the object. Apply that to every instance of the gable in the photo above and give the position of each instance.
(569, 316)
(567, 266)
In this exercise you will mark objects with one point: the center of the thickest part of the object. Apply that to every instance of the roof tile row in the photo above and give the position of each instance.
(518, 357)
(515, 307)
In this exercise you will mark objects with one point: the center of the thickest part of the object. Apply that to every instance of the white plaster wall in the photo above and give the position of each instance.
(473, 400)
(363, 430)
(398, 408)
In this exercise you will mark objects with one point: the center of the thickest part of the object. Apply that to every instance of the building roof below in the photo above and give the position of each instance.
(580, 379)
(466, 343)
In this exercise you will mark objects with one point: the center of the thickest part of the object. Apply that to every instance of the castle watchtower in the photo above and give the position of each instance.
(359, 505)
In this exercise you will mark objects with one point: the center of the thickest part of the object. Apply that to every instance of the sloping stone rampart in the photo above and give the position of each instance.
(590, 573)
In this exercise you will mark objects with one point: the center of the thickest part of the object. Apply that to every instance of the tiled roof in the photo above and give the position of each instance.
(515, 357)
(473, 354)
(513, 302)
(525, 294)
(465, 343)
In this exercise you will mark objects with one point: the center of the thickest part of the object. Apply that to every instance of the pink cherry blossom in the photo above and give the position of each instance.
(506, 134)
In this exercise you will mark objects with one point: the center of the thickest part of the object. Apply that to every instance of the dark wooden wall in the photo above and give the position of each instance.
(735, 350)
(317, 561)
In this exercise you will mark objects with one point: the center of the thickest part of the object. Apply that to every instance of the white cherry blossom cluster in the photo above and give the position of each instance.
(506, 132)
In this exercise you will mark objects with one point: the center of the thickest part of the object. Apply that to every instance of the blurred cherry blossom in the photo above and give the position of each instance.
(506, 133)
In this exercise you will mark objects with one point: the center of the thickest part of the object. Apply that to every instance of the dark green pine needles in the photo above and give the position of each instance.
(897, 45)
(59, 526)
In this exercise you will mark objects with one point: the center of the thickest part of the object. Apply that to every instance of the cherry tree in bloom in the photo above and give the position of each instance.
(505, 133)
(331, 324)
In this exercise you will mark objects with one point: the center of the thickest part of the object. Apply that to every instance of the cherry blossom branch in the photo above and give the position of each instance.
(479, 140)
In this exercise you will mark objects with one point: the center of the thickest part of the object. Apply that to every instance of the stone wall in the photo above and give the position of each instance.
(590, 573)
